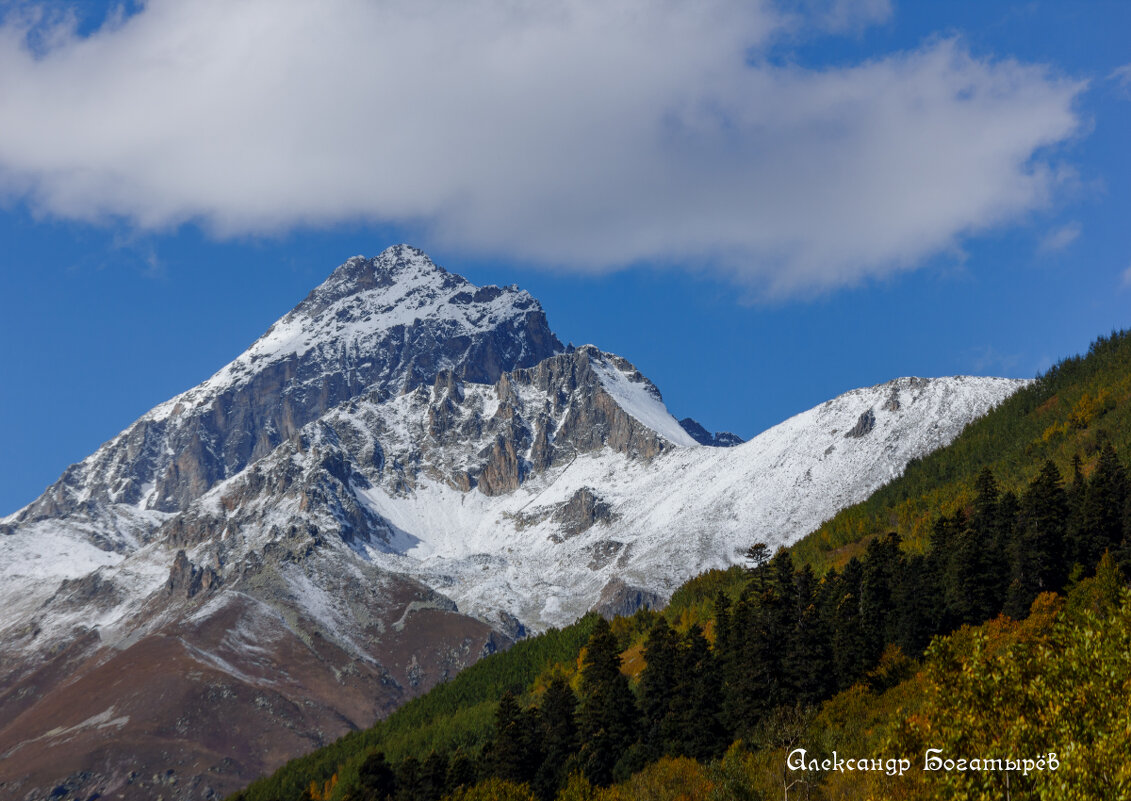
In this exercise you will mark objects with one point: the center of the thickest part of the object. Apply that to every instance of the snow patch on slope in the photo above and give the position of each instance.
(640, 398)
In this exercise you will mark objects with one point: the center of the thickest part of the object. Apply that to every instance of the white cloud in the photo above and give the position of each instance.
(1125, 278)
(585, 134)
(841, 16)
(1122, 75)
(1060, 238)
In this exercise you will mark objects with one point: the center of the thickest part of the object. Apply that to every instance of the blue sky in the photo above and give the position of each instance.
(762, 205)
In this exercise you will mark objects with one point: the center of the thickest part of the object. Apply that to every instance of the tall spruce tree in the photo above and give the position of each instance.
(658, 687)
(1102, 510)
(850, 642)
(515, 753)
(376, 781)
(702, 734)
(607, 715)
(408, 779)
(880, 568)
(807, 661)
(918, 616)
(434, 776)
(1038, 558)
(559, 738)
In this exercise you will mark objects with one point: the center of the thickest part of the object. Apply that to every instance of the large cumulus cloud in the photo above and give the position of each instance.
(585, 134)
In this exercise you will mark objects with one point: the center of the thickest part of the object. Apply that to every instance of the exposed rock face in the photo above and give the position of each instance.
(892, 404)
(720, 439)
(618, 598)
(492, 438)
(502, 472)
(584, 509)
(590, 418)
(725, 439)
(187, 579)
(328, 639)
(864, 425)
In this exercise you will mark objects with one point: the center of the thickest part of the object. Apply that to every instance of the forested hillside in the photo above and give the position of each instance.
(875, 656)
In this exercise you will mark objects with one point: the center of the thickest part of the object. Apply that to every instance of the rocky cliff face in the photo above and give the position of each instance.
(403, 474)
(379, 326)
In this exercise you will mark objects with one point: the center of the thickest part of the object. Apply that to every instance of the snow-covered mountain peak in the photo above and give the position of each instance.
(380, 326)
(400, 266)
(362, 303)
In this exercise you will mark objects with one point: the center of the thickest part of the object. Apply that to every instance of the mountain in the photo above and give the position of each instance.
(376, 326)
(404, 473)
(900, 649)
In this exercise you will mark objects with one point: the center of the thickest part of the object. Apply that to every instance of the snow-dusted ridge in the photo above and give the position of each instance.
(639, 397)
(685, 511)
(565, 474)
(537, 552)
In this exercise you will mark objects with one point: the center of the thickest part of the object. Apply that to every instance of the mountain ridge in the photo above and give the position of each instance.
(469, 481)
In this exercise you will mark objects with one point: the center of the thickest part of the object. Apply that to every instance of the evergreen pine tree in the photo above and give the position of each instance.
(657, 687)
(1038, 558)
(376, 781)
(1103, 507)
(434, 776)
(559, 737)
(461, 771)
(408, 779)
(607, 715)
(515, 751)
(850, 646)
(702, 733)
(916, 598)
(807, 661)
(880, 568)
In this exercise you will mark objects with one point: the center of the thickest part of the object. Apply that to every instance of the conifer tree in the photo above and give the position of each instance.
(850, 647)
(916, 600)
(764, 623)
(880, 568)
(808, 655)
(434, 776)
(1038, 558)
(376, 781)
(559, 737)
(515, 751)
(657, 687)
(698, 701)
(983, 518)
(1102, 510)
(461, 771)
(607, 714)
(408, 779)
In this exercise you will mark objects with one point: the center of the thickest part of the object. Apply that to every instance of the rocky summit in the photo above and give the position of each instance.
(404, 473)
